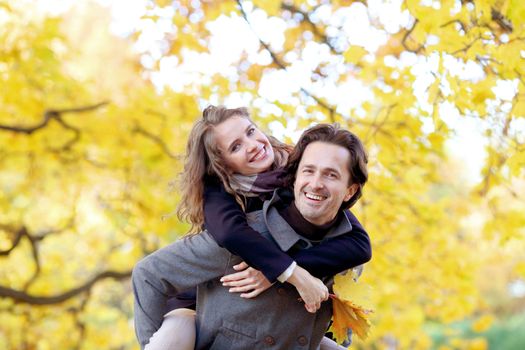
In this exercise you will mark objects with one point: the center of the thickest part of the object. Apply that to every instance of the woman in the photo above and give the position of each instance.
(230, 168)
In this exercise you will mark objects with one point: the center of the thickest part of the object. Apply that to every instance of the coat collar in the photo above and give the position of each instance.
(283, 233)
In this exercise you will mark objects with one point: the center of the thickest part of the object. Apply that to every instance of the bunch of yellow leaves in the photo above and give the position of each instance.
(350, 310)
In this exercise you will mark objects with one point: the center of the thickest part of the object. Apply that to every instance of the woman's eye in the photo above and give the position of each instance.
(251, 131)
(235, 148)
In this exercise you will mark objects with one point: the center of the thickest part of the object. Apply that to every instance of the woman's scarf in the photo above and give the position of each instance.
(265, 182)
(254, 185)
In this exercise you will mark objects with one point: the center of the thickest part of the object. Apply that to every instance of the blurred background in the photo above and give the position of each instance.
(97, 98)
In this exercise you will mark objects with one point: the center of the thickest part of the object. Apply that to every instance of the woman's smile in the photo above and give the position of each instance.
(243, 147)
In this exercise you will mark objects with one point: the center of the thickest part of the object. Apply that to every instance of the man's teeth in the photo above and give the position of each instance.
(314, 196)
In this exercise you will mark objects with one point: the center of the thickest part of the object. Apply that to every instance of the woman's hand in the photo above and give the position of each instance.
(249, 281)
(311, 289)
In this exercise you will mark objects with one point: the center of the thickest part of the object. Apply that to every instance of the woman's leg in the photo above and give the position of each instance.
(177, 332)
(329, 344)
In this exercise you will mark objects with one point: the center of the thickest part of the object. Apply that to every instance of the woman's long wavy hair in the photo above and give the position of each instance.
(203, 159)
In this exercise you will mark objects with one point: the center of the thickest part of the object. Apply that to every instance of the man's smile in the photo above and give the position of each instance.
(315, 197)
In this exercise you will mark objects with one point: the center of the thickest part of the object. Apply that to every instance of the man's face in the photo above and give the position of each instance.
(322, 182)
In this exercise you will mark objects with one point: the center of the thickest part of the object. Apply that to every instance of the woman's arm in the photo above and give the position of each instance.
(337, 254)
(225, 220)
(328, 258)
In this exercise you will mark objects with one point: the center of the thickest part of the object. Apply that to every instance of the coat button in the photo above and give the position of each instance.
(281, 291)
(269, 340)
(302, 340)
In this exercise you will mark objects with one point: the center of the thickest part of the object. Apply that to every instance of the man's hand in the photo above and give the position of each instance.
(311, 289)
(249, 281)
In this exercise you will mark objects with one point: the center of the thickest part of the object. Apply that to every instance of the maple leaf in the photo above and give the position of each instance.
(347, 315)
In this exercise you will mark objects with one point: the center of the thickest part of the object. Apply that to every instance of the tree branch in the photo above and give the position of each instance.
(461, 24)
(503, 22)
(26, 298)
(376, 126)
(157, 140)
(467, 46)
(71, 142)
(407, 35)
(18, 237)
(79, 322)
(294, 9)
(44, 233)
(52, 114)
(331, 110)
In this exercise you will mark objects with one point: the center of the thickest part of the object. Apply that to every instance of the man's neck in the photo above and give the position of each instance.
(304, 227)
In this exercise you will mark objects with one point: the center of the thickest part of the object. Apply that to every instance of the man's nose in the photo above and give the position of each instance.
(316, 181)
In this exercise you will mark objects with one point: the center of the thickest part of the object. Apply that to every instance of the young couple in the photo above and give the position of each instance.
(276, 229)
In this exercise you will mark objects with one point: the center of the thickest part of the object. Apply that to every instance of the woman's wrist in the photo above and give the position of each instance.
(283, 277)
(299, 277)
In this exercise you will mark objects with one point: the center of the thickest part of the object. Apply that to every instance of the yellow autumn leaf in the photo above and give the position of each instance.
(360, 293)
(347, 315)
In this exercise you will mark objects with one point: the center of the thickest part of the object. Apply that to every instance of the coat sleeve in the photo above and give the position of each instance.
(226, 222)
(337, 254)
(177, 267)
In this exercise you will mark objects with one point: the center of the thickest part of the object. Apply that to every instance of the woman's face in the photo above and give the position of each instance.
(244, 148)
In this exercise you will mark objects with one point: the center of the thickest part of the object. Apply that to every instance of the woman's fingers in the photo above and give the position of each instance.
(312, 308)
(253, 293)
(240, 282)
(241, 266)
(249, 281)
(245, 273)
(241, 289)
(236, 276)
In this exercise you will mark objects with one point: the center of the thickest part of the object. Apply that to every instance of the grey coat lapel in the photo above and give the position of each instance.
(283, 234)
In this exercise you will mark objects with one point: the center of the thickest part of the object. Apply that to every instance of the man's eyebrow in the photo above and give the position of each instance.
(325, 170)
(334, 170)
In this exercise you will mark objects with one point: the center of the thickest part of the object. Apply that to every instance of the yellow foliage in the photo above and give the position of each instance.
(477, 344)
(483, 323)
(347, 315)
(100, 177)
(354, 54)
(520, 269)
(515, 12)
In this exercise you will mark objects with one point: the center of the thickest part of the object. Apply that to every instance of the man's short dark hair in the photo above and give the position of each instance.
(333, 134)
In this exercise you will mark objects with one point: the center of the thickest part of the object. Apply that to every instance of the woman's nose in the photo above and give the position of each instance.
(251, 146)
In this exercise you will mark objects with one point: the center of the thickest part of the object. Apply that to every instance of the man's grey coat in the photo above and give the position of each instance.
(275, 319)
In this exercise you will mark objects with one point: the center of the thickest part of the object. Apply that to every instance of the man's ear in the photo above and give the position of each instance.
(350, 191)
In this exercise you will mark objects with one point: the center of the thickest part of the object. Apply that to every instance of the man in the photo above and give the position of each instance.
(328, 170)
